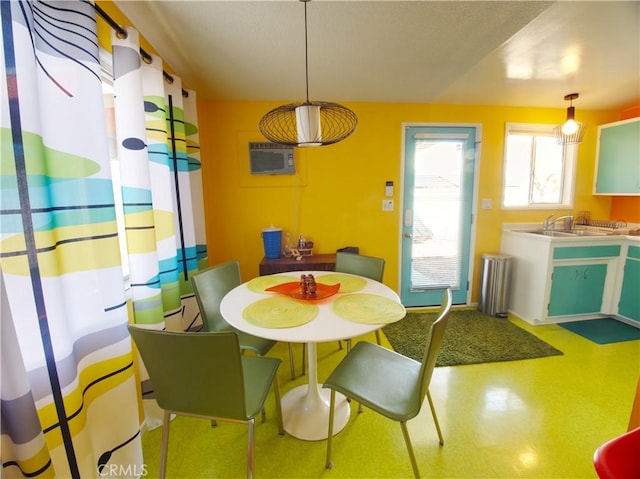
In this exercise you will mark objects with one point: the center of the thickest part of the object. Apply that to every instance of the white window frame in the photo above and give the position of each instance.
(570, 155)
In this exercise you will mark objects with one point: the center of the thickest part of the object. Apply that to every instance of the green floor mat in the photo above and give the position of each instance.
(603, 331)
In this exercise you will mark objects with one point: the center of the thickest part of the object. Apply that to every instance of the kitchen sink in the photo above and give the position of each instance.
(589, 233)
(550, 233)
(568, 233)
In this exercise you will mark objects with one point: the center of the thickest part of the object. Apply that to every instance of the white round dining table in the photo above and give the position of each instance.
(305, 409)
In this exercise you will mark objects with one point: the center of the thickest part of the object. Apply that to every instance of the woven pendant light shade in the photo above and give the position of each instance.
(310, 123)
(570, 132)
(281, 124)
(570, 138)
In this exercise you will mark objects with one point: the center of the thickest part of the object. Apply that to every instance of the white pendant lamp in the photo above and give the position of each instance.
(310, 123)
(308, 126)
(571, 131)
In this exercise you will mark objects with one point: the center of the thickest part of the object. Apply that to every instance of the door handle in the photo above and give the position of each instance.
(408, 235)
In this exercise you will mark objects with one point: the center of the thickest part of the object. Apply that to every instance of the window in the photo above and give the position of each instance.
(538, 172)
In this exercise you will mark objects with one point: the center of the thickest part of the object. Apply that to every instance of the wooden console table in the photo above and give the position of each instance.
(314, 262)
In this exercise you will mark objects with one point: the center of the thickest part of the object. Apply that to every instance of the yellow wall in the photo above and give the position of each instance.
(338, 200)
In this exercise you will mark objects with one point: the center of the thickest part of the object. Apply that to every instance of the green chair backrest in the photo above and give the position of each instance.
(209, 286)
(434, 342)
(368, 266)
(194, 373)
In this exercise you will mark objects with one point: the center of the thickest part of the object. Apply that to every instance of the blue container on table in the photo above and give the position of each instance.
(272, 239)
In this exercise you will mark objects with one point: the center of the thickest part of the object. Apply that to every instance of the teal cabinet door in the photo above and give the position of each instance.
(577, 289)
(564, 290)
(629, 305)
(618, 167)
(592, 289)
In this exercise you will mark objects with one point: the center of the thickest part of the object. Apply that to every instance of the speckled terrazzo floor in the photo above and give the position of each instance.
(539, 418)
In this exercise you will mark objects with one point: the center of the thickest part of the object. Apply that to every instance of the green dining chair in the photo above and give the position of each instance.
(209, 286)
(353, 263)
(389, 383)
(367, 266)
(205, 375)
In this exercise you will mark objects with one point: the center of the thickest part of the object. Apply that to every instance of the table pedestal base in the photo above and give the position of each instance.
(305, 412)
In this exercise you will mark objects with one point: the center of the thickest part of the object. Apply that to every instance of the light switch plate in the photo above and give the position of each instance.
(387, 205)
(486, 203)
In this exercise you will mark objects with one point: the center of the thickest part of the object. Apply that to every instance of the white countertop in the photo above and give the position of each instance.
(526, 228)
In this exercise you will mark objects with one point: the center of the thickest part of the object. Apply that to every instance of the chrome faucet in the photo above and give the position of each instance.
(550, 222)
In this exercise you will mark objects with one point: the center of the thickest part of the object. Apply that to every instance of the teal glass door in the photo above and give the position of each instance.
(439, 168)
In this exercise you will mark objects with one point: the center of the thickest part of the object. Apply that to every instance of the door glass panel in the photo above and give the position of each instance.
(437, 206)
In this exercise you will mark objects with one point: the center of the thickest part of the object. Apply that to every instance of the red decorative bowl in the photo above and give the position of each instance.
(293, 289)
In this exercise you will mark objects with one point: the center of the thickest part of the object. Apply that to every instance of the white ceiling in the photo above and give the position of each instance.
(520, 53)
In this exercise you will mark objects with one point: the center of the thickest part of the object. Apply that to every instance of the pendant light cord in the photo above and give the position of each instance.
(306, 50)
(280, 125)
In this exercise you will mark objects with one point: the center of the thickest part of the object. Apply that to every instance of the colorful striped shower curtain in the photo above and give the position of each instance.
(156, 134)
(69, 396)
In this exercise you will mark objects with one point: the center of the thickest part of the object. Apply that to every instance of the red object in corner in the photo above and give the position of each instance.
(619, 458)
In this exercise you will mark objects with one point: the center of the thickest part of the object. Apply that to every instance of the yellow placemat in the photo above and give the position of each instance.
(261, 283)
(279, 312)
(368, 309)
(348, 283)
